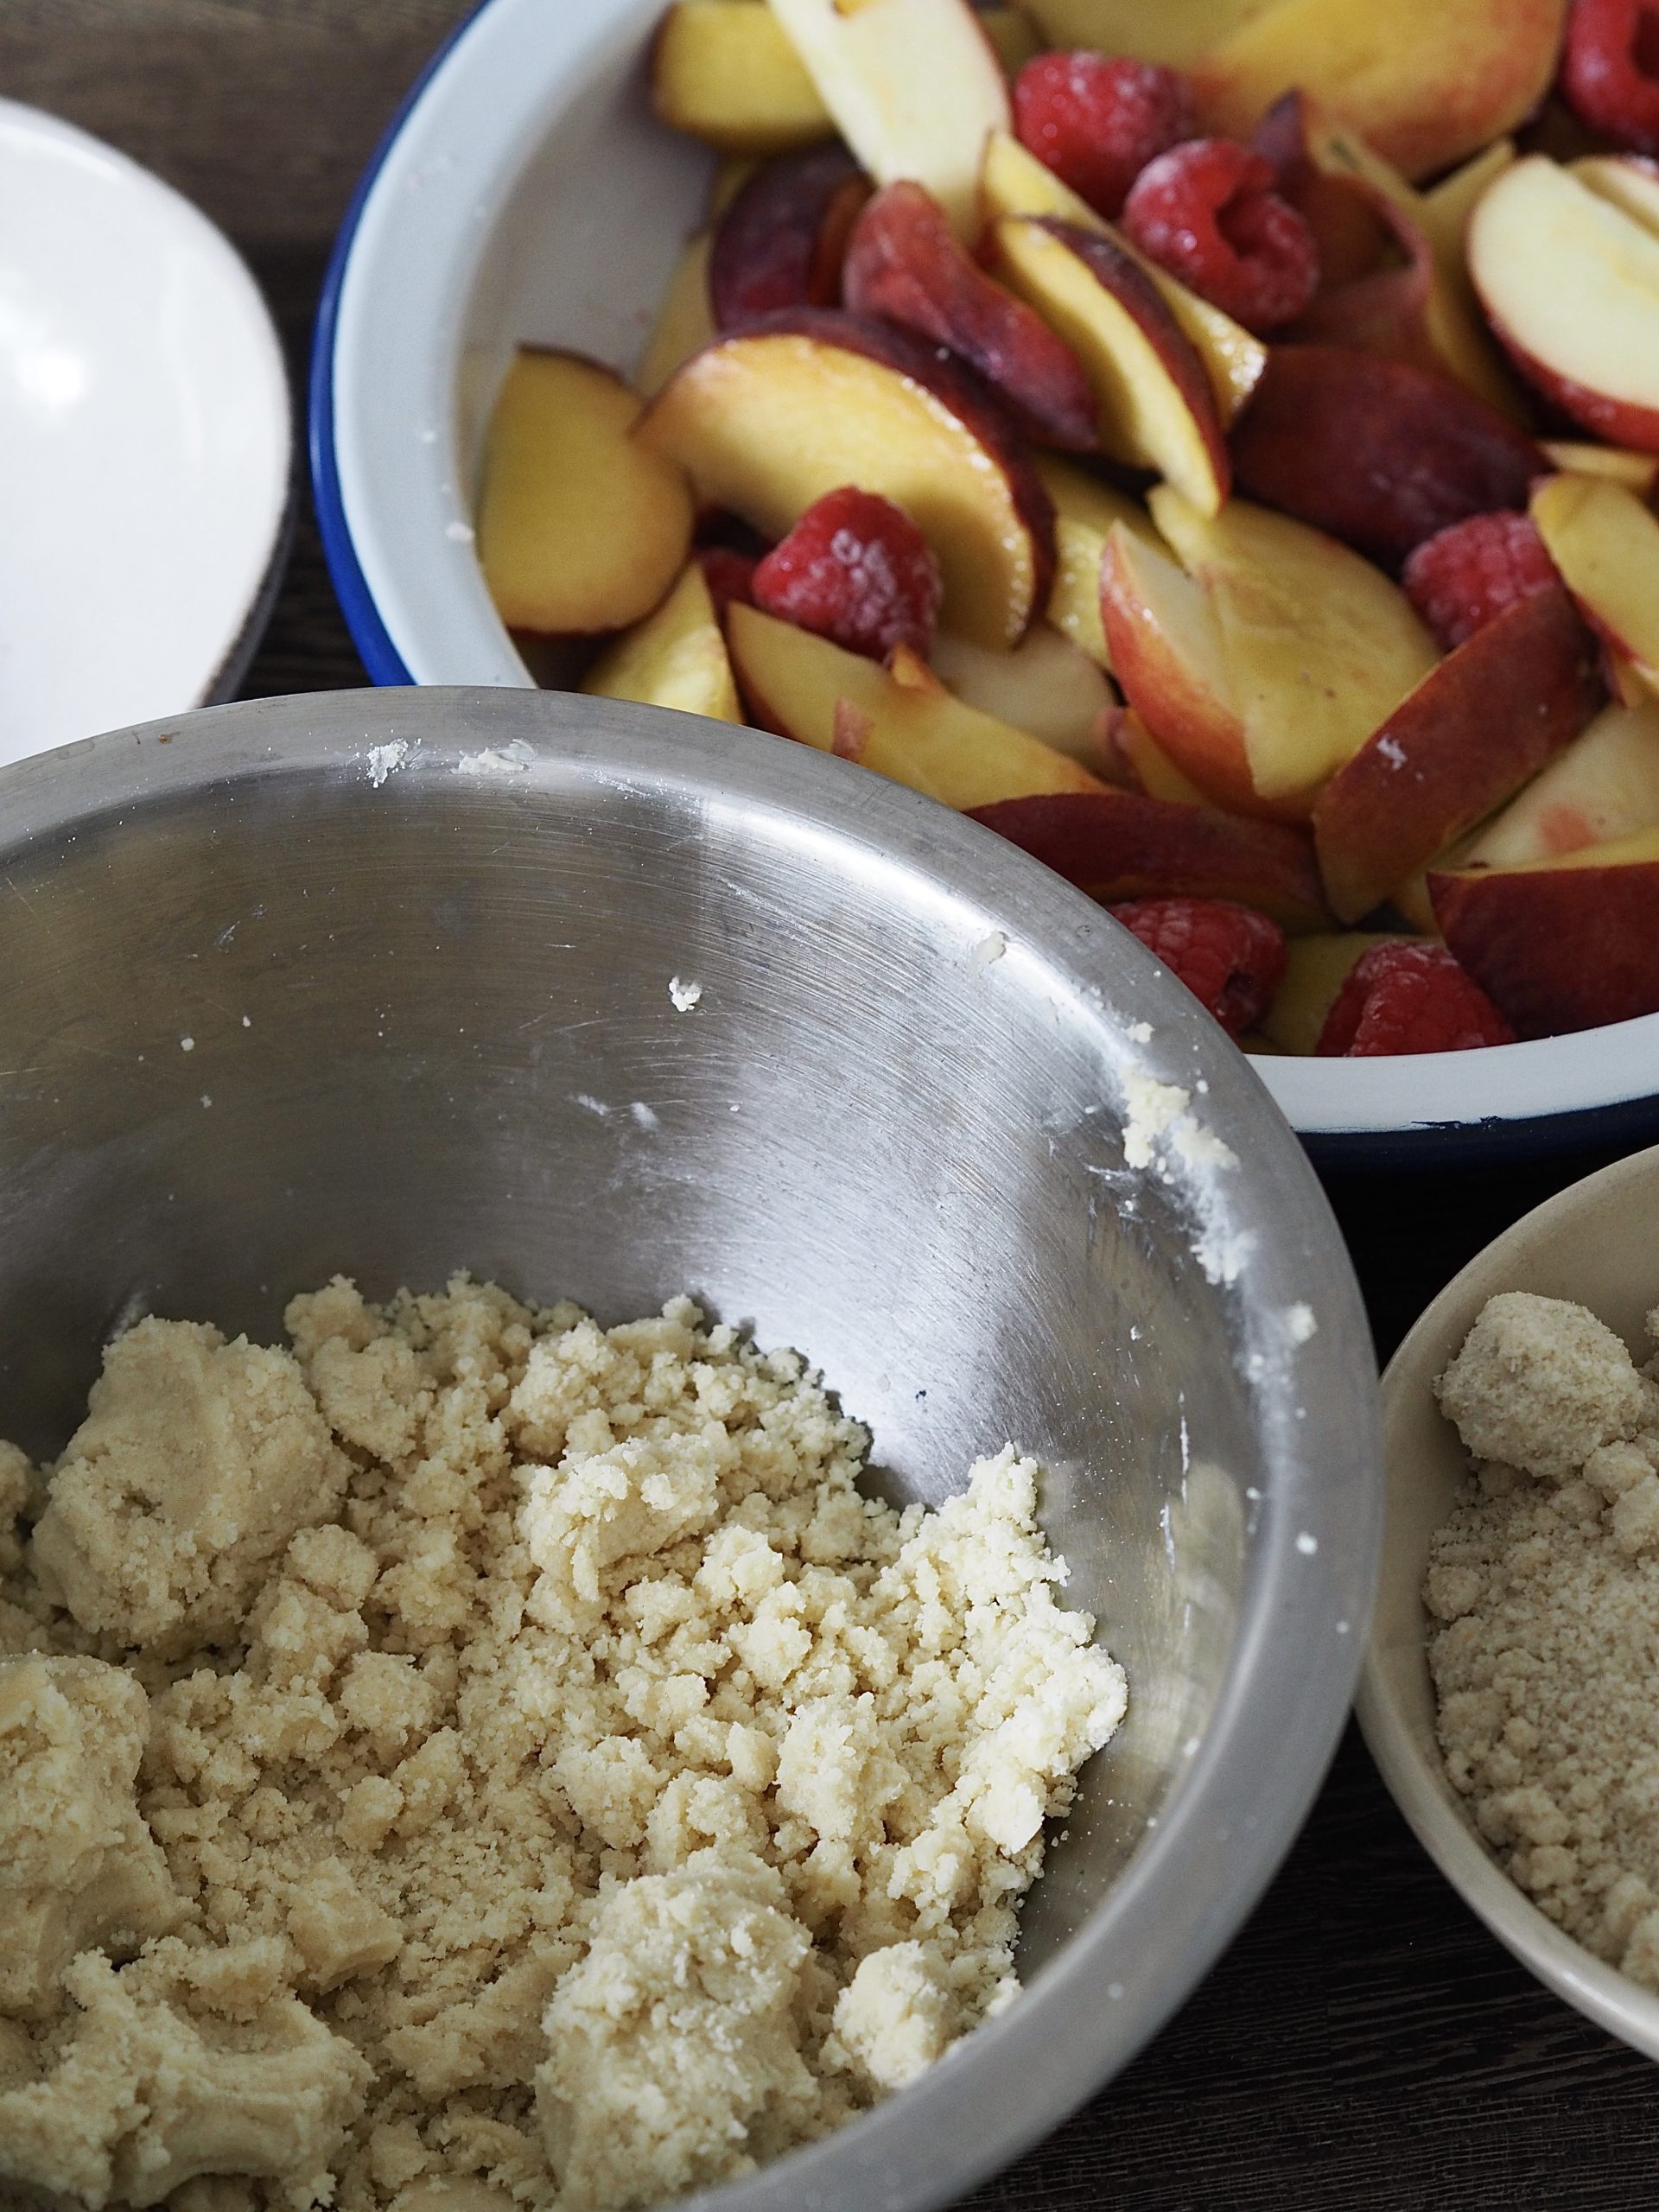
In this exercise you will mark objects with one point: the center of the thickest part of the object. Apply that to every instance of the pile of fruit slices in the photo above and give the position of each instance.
(1197, 440)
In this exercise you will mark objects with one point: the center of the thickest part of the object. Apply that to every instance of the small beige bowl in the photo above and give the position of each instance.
(1594, 1243)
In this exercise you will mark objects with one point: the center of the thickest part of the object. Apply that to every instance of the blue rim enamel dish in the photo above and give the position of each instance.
(525, 192)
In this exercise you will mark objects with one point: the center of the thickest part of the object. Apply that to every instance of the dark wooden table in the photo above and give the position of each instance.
(1364, 2044)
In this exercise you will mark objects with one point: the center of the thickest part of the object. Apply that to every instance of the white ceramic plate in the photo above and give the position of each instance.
(1593, 1242)
(145, 422)
(526, 194)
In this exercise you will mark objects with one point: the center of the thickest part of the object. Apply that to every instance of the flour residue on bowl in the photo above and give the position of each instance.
(542, 1766)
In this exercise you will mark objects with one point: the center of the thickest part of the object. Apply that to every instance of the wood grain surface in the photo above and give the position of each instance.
(1364, 2044)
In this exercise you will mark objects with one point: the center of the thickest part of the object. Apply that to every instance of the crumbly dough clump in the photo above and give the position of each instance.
(545, 1778)
(1546, 1582)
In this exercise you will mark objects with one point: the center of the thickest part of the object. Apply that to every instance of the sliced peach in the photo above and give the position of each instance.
(725, 71)
(1085, 510)
(1116, 844)
(1480, 725)
(771, 418)
(904, 263)
(1316, 968)
(1318, 645)
(580, 528)
(801, 686)
(1563, 943)
(1135, 758)
(1045, 686)
(781, 240)
(1166, 652)
(1392, 270)
(685, 320)
(1570, 283)
(1605, 542)
(674, 657)
(1426, 82)
(1157, 410)
(1636, 472)
(1176, 32)
(915, 88)
(1377, 453)
(1606, 785)
(1627, 180)
(1014, 183)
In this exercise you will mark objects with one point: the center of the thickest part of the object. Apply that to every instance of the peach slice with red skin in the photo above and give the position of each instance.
(1605, 542)
(1167, 653)
(904, 263)
(1085, 512)
(1606, 785)
(1261, 666)
(1379, 454)
(581, 528)
(1564, 943)
(1570, 283)
(781, 240)
(801, 686)
(1014, 183)
(768, 419)
(1482, 723)
(1157, 408)
(1116, 845)
(1392, 279)
(1425, 82)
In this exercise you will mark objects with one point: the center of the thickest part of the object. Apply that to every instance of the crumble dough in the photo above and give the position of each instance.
(478, 1760)
(1545, 1583)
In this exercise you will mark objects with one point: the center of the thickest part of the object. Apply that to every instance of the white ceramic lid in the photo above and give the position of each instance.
(145, 422)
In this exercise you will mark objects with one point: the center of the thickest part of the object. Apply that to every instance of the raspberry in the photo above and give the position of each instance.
(1206, 213)
(1611, 71)
(1096, 123)
(729, 575)
(904, 264)
(1463, 576)
(1409, 997)
(1229, 956)
(857, 569)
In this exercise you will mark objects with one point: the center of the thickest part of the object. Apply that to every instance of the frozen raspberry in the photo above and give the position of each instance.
(729, 575)
(1230, 957)
(1207, 213)
(1463, 576)
(1096, 123)
(1409, 997)
(1610, 72)
(857, 569)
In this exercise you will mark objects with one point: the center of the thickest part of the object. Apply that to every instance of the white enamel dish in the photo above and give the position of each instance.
(146, 426)
(1594, 1244)
(526, 194)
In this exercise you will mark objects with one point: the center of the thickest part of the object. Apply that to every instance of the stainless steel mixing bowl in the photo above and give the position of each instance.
(400, 983)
